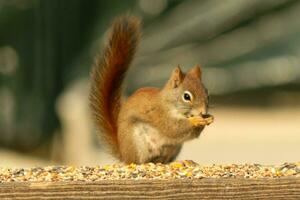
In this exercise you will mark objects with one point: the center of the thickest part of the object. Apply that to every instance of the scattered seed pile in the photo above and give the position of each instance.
(178, 170)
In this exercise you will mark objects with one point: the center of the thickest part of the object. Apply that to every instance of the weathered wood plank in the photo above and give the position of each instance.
(206, 188)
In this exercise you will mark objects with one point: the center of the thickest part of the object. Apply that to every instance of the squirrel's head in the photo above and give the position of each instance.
(186, 94)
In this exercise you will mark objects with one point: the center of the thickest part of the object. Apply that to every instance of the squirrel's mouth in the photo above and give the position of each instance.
(206, 116)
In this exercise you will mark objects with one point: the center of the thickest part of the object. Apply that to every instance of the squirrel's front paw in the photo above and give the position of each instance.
(200, 121)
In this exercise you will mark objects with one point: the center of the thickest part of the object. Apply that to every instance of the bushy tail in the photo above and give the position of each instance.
(108, 74)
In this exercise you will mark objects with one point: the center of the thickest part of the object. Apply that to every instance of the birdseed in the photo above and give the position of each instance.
(176, 170)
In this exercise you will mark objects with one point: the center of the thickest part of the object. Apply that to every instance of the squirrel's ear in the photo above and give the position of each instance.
(176, 77)
(196, 71)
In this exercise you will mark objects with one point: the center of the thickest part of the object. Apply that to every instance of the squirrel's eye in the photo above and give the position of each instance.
(187, 96)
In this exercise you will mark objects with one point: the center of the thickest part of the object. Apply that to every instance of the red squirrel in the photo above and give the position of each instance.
(152, 124)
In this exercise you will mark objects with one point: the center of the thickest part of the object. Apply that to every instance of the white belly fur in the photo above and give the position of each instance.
(150, 139)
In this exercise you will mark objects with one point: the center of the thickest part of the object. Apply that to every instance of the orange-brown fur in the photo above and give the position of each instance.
(108, 74)
(152, 124)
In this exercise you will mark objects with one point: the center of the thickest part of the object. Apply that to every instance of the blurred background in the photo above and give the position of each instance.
(249, 50)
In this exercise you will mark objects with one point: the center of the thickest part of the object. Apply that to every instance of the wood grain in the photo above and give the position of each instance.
(207, 188)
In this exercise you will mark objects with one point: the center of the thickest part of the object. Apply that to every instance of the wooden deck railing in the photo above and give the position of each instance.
(181, 180)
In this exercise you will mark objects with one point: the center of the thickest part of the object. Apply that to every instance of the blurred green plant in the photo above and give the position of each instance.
(48, 40)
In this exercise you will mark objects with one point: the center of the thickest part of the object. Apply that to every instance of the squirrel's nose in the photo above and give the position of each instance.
(202, 111)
